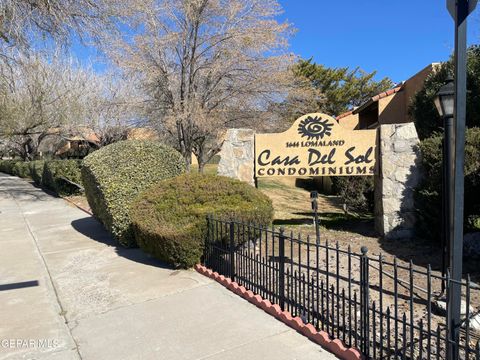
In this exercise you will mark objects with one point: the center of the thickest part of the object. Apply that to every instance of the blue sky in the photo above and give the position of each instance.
(395, 37)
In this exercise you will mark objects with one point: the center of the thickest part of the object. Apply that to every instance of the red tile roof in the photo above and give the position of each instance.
(387, 93)
(372, 99)
(344, 114)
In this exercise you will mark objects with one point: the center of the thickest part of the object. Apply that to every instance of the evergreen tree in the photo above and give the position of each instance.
(340, 89)
(423, 109)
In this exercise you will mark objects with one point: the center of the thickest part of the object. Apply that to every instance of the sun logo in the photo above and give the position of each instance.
(314, 128)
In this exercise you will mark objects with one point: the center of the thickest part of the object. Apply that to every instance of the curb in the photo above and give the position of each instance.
(78, 206)
(335, 346)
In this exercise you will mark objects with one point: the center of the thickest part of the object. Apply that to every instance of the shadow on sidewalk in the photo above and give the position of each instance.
(92, 228)
(18, 285)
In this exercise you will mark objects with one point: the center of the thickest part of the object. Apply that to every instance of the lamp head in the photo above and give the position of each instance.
(445, 99)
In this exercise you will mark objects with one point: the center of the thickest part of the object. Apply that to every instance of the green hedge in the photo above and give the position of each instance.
(56, 173)
(50, 174)
(114, 175)
(6, 166)
(169, 219)
(21, 169)
(428, 201)
(36, 171)
(15, 167)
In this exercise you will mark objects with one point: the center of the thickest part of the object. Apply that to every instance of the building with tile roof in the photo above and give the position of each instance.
(389, 107)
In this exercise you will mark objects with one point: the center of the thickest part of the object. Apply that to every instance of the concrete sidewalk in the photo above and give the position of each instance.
(67, 292)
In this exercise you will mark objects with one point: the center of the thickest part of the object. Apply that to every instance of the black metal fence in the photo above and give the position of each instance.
(384, 308)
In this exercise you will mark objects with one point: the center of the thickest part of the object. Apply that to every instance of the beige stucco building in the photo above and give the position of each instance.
(389, 107)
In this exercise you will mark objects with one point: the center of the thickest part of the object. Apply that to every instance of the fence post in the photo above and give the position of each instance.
(206, 251)
(232, 250)
(281, 270)
(364, 303)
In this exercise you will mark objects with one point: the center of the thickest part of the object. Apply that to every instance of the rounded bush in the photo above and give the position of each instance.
(114, 175)
(58, 176)
(169, 219)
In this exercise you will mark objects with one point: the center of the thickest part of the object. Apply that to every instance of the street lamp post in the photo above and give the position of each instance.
(444, 102)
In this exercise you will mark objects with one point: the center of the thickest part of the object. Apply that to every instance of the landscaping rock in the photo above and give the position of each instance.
(440, 306)
(474, 323)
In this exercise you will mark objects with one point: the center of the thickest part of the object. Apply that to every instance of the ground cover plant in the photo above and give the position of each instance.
(114, 175)
(169, 219)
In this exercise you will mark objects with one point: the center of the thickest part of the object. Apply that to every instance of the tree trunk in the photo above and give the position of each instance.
(198, 150)
(204, 155)
(26, 149)
(188, 160)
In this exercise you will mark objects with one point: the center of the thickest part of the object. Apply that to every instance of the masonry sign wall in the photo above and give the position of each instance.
(315, 145)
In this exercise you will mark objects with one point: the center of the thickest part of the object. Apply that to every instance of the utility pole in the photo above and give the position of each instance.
(459, 9)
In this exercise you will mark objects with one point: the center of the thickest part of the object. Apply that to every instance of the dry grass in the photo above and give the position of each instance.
(210, 169)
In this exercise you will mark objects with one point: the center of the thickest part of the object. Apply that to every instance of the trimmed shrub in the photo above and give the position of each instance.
(18, 168)
(6, 166)
(428, 195)
(57, 174)
(169, 219)
(21, 169)
(36, 171)
(114, 175)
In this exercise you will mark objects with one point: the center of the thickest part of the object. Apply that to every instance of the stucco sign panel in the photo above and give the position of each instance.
(315, 145)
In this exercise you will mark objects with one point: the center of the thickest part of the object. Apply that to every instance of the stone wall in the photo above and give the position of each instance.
(237, 155)
(398, 173)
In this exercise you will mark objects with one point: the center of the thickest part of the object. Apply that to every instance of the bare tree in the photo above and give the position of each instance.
(205, 65)
(24, 21)
(301, 98)
(117, 109)
(53, 96)
(48, 95)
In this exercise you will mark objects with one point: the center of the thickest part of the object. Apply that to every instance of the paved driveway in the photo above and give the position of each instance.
(67, 292)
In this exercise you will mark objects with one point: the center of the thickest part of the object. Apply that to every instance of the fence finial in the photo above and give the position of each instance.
(364, 250)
